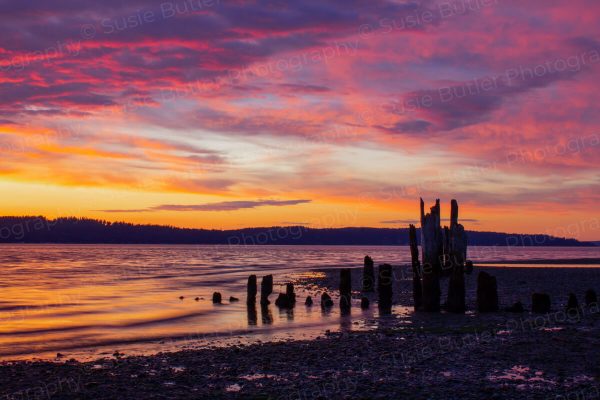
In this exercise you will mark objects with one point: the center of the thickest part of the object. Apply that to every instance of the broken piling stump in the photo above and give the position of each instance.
(368, 275)
(487, 293)
(516, 308)
(416, 267)
(590, 297)
(364, 303)
(287, 299)
(540, 303)
(308, 302)
(432, 249)
(384, 287)
(572, 303)
(216, 298)
(457, 254)
(252, 289)
(345, 288)
(266, 288)
(326, 301)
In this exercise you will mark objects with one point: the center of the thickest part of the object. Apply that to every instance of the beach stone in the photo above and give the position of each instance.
(326, 300)
(487, 293)
(384, 287)
(591, 297)
(309, 301)
(216, 298)
(368, 275)
(540, 303)
(233, 299)
(252, 289)
(364, 303)
(572, 303)
(516, 308)
(345, 288)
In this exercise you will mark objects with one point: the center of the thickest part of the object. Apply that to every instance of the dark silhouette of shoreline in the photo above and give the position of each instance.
(31, 229)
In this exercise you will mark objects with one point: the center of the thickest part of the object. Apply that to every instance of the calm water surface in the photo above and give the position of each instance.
(89, 300)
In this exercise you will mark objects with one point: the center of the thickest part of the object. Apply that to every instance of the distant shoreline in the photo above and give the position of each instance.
(591, 246)
(32, 229)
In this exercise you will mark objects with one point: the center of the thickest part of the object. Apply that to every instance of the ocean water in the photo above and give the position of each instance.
(89, 300)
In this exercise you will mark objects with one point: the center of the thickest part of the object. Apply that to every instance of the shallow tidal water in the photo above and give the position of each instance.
(86, 301)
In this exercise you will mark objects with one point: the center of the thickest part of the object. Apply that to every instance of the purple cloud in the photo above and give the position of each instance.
(222, 206)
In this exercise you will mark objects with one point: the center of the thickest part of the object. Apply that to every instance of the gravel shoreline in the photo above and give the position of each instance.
(500, 356)
(408, 356)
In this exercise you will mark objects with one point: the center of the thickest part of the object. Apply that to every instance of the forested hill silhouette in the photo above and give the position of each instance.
(83, 230)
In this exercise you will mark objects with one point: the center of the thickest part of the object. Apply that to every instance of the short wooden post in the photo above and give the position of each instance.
(266, 288)
(368, 275)
(432, 248)
(345, 288)
(416, 268)
(252, 290)
(457, 254)
(384, 288)
(487, 293)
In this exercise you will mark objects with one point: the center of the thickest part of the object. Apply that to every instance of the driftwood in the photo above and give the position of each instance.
(416, 268)
(432, 249)
(368, 275)
(345, 288)
(384, 288)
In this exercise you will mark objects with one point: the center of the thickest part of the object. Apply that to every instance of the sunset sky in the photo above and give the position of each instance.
(228, 113)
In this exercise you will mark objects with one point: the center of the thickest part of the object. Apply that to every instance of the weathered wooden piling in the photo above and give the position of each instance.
(516, 308)
(364, 303)
(457, 254)
(432, 249)
(591, 298)
(416, 268)
(540, 303)
(572, 303)
(252, 290)
(251, 313)
(309, 301)
(368, 275)
(289, 292)
(287, 299)
(345, 288)
(384, 287)
(216, 298)
(266, 288)
(487, 293)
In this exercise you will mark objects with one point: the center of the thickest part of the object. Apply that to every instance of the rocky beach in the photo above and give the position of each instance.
(410, 355)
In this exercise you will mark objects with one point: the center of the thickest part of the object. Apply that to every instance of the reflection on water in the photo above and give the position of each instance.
(97, 298)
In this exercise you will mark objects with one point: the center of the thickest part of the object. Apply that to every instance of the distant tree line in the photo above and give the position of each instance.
(83, 230)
